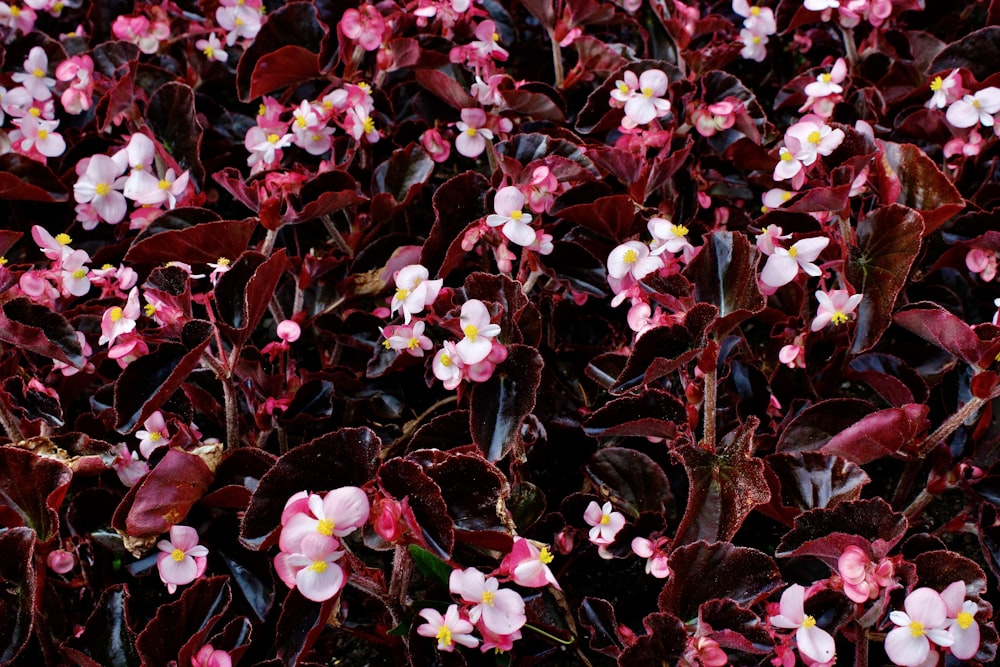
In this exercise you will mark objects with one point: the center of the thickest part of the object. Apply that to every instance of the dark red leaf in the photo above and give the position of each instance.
(199, 244)
(428, 519)
(34, 487)
(445, 87)
(171, 116)
(243, 293)
(327, 193)
(499, 405)
(938, 326)
(816, 425)
(882, 433)
(595, 58)
(149, 381)
(922, 185)
(107, 636)
(536, 101)
(290, 65)
(654, 413)
(458, 202)
(167, 493)
(25, 179)
(657, 353)
(740, 574)
(598, 617)
(724, 487)
(891, 377)
(37, 328)
(975, 52)
(344, 458)
(630, 478)
(17, 594)
(613, 217)
(724, 274)
(824, 533)
(802, 481)
(267, 64)
(300, 625)
(664, 642)
(403, 174)
(199, 607)
(529, 147)
(735, 627)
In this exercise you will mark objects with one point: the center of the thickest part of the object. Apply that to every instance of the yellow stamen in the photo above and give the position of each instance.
(488, 598)
(15, 11)
(786, 156)
(471, 332)
(937, 84)
(815, 137)
(413, 344)
(975, 103)
(63, 239)
(793, 252)
(825, 78)
(605, 519)
(756, 39)
(401, 294)
(116, 314)
(516, 215)
(368, 125)
(318, 566)
(262, 109)
(446, 360)
(223, 261)
(3, 260)
(544, 555)
(647, 92)
(106, 267)
(623, 88)
(471, 131)
(35, 111)
(300, 121)
(79, 273)
(916, 628)
(785, 196)
(386, 344)
(808, 621)
(964, 620)
(43, 134)
(838, 318)
(38, 73)
(443, 636)
(496, 37)
(273, 138)
(164, 184)
(177, 555)
(155, 436)
(325, 527)
(630, 256)
(209, 51)
(755, 11)
(149, 309)
(239, 23)
(102, 189)
(679, 230)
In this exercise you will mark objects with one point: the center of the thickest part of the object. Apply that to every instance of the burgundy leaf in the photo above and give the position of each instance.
(724, 274)
(816, 425)
(243, 293)
(825, 533)
(654, 413)
(664, 642)
(445, 87)
(724, 487)
(922, 185)
(895, 381)
(17, 595)
(975, 51)
(657, 353)
(267, 65)
(167, 493)
(888, 242)
(882, 433)
(404, 173)
(938, 326)
(107, 636)
(428, 520)
(198, 244)
(613, 217)
(734, 626)
(598, 617)
(25, 179)
(634, 479)
(457, 202)
(149, 381)
(499, 405)
(37, 328)
(171, 116)
(739, 574)
(802, 481)
(344, 458)
(33, 487)
(536, 101)
(299, 626)
(198, 608)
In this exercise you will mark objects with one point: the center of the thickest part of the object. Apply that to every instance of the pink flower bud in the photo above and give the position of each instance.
(289, 331)
(60, 561)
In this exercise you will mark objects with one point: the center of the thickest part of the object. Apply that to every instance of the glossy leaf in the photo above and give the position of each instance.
(499, 405)
(665, 640)
(975, 51)
(724, 274)
(922, 185)
(598, 617)
(198, 608)
(171, 116)
(613, 217)
(430, 565)
(243, 293)
(870, 524)
(815, 426)
(33, 487)
(344, 458)
(107, 636)
(445, 87)
(888, 243)
(17, 595)
(802, 481)
(264, 66)
(941, 328)
(167, 493)
(22, 178)
(428, 518)
(149, 381)
(632, 478)
(457, 202)
(724, 487)
(37, 328)
(739, 574)
(882, 433)
(198, 244)
(653, 413)
(406, 170)
(661, 351)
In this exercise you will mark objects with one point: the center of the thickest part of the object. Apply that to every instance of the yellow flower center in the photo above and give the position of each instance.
(325, 527)
(755, 11)
(975, 103)
(300, 121)
(623, 88)
(446, 360)
(102, 189)
(838, 318)
(825, 78)
(756, 39)
(63, 239)
(444, 636)
(318, 566)
(937, 84)
(365, 87)
(605, 519)
(916, 628)
(15, 11)
(116, 314)
(164, 184)
(273, 138)
(79, 273)
(630, 256)
(413, 344)
(317, 137)
(223, 261)
(785, 196)
(43, 134)
(209, 51)
(155, 436)
(58, 7)
(964, 620)
(815, 137)
(647, 92)
(38, 73)
(793, 252)
(401, 294)
(262, 109)
(239, 23)
(35, 111)
(786, 156)
(368, 125)
(496, 37)
(3, 261)
(177, 555)
(516, 215)
(386, 344)
(471, 131)
(808, 621)
(544, 555)
(471, 332)
(149, 309)
(488, 598)
(679, 230)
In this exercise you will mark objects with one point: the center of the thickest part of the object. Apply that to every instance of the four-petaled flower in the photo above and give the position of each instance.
(813, 641)
(479, 332)
(448, 630)
(921, 623)
(835, 306)
(182, 559)
(501, 609)
(605, 522)
(509, 212)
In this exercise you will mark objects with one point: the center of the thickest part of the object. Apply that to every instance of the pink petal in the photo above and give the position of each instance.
(176, 572)
(780, 269)
(815, 643)
(904, 649)
(508, 200)
(320, 586)
(506, 614)
(962, 114)
(518, 232)
(348, 508)
(926, 606)
(183, 537)
(791, 605)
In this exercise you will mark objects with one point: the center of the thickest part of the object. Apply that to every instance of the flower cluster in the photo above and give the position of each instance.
(758, 25)
(641, 97)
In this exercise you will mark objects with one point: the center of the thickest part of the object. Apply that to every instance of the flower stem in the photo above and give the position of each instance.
(850, 47)
(711, 395)
(268, 246)
(335, 234)
(232, 418)
(402, 568)
(557, 63)
(861, 649)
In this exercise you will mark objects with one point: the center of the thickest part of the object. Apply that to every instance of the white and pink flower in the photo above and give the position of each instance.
(182, 559)
(508, 213)
(605, 523)
(922, 622)
(337, 514)
(835, 306)
(312, 567)
(814, 642)
(479, 332)
(501, 610)
(448, 630)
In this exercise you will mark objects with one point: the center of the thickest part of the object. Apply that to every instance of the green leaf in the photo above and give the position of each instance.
(430, 565)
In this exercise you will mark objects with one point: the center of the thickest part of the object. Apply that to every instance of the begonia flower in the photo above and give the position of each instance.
(783, 265)
(634, 259)
(435, 145)
(209, 656)
(922, 622)
(508, 205)
(448, 630)
(472, 133)
(962, 625)
(754, 45)
(655, 553)
(34, 78)
(945, 90)
(447, 365)
(814, 642)
(756, 19)
(528, 565)
(73, 273)
(213, 48)
(828, 83)
(60, 561)
(182, 559)
(414, 291)
(479, 332)
(240, 20)
(983, 262)
(39, 135)
(835, 306)
(813, 138)
(153, 434)
(364, 25)
(410, 339)
(100, 187)
(119, 320)
(501, 609)
(605, 522)
(312, 568)
(788, 168)
(340, 512)
(646, 102)
(974, 109)
(667, 237)
(130, 469)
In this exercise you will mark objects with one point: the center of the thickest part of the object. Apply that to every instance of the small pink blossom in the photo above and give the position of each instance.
(775, 198)
(153, 434)
(983, 262)
(435, 145)
(359, 123)
(239, 20)
(605, 522)
(117, 321)
(38, 137)
(754, 45)
(129, 469)
(757, 19)
(508, 205)
(667, 237)
(312, 568)
(974, 109)
(945, 91)
(705, 652)
(364, 25)
(339, 513)
(447, 365)
(789, 167)
(961, 621)
(141, 31)
(209, 656)
(541, 190)
(414, 291)
(61, 561)
(828, 83)
(34, 77)
(448, 630)
(288, 331)
(814, 642)
(647, 102)
(811, 138)
(502, 610)
(213, 48)
(182, 559)
(783, 265)
(528, 565)
(634, 259)
(655, 553)
(716, 117)
(73, 274)
(862, 578)
(100, 187)
(473, 133)
(922, 622)
(479, 332)
(835, 306)
(794, 355)
(78, 71)
(410, 339)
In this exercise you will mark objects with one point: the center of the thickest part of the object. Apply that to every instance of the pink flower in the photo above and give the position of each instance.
(542, 189)
(265, 147)
(479, 332)
(34, 78)
(811, 138)
(647, 103)
(789, 168)
(983, 262)
(528, 565)
(182, 559)
(473, 133)
(814, 642)
(410, 339)
(448, 630)
(40, 135)
(118, 321)
(288, 331)
(61, 561)
(496, 641)
(655, 554)
(414, 291)
(154, 434)
(340, 512)
(828, 83)
(239, 20)
(754, 45)
(311, 567)
(208, 656)
(364, 25)
(794, 355)
(974, 109)
(667, 237)
(605, 521)
(861, 577)
(508, 205)
(487, 44)
(73, 273)
(783, 265)
(961, 621)
(359, 123)
(835, 306)
(923, 622)
(141, 31)
(79, 70)
(706, 652)
(716, 117)
(757, 19)
(435, 145)
(129, 470)
(213, 49)
(388, 519)
(502, 610)
(99, 186)
(945, 91)
(448, 365)
(634, 259)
